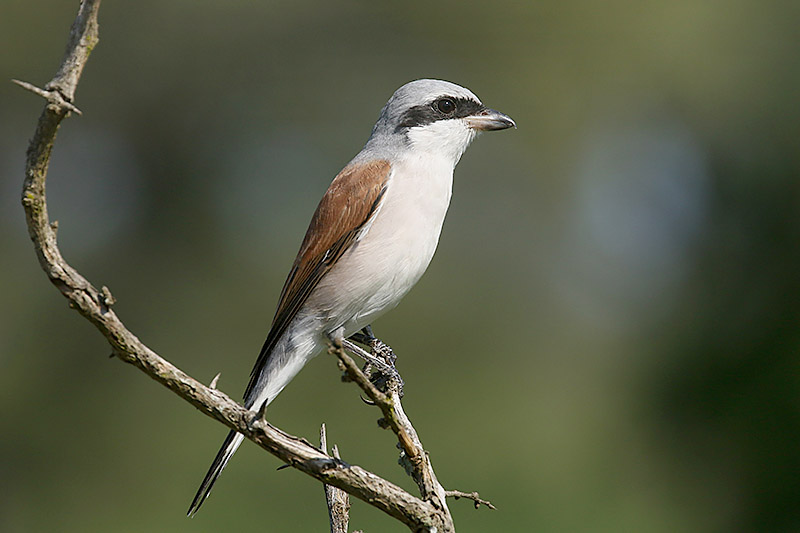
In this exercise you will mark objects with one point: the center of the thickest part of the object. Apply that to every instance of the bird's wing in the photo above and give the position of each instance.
(348, 205)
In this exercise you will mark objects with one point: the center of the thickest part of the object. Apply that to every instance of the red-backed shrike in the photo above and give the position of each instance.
(371, 238)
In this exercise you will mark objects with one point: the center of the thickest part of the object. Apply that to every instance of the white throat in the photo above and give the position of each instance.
(444, 138)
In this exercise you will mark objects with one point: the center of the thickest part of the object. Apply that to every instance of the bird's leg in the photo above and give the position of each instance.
(364, 336)
(350, 345)
(377, 346)
(374, 360)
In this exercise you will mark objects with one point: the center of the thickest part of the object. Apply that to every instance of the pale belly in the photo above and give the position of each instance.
(379, 269)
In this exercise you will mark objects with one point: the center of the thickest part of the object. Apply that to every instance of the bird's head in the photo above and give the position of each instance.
(435, 117)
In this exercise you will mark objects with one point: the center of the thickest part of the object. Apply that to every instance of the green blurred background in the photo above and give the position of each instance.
(607, 339)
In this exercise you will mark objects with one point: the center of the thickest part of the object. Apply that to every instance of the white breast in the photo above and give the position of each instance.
(395, 251)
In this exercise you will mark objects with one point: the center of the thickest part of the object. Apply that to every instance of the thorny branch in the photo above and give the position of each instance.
(428, 513)
(413, 455)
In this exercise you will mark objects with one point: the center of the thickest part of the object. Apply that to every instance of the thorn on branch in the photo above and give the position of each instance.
(54, 97)
(257, 417)
(261, 411)
(474, 496)
(213, 384)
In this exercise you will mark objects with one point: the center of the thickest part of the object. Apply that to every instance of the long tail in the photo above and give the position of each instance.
(285, 360)
(229, 447)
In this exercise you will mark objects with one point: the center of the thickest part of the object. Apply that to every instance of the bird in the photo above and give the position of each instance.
(370, 239)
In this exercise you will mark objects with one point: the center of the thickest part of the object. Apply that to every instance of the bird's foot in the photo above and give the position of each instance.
(385, 380)
(387, 375)
(380, 365)
(382, 350)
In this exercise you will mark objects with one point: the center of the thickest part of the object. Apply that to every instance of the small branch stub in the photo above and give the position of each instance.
(474, 496)
(338, 501)
(108, 298)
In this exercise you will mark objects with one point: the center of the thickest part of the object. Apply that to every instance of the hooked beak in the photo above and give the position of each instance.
(490, 120)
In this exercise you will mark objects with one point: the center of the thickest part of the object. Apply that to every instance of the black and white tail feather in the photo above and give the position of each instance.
(229, 447)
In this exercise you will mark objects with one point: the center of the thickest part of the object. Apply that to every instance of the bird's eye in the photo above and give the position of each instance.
(445, 105)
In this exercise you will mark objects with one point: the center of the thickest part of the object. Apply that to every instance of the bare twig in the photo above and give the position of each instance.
(338, 500)
(474, 496)
(95, 305)
(413, 454)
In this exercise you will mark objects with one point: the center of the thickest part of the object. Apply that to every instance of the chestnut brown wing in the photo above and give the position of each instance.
(348, 204)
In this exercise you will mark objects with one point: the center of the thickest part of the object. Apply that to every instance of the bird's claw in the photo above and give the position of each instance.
(384, 375)
(380, 365)
(387, 377)
(367, 400)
